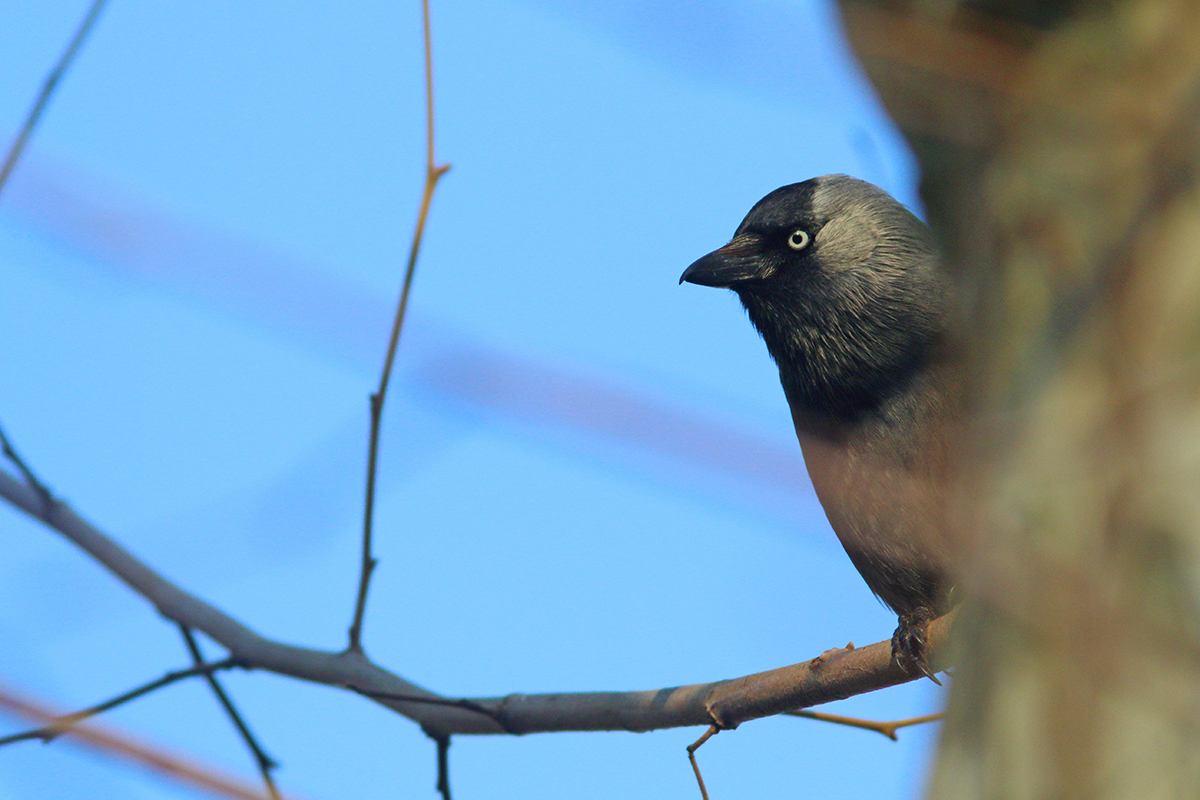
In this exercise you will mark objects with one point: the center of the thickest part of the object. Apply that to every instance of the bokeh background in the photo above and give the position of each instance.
(589, 479)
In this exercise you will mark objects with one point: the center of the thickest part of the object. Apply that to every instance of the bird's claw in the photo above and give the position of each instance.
(908, 645)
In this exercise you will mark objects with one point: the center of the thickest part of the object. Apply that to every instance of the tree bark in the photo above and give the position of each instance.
(1060, 151)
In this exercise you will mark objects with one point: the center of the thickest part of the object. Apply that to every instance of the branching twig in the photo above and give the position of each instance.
(10, 163)
(691, 751)
(433, 173)
(453, 702)
(835, 675)
(48, 87)
(119, 746)
(63, 724)
(31, 478)
(265, 762)
(888, 729)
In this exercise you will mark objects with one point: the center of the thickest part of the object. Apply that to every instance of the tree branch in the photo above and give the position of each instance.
(433, 174)
(65, 723)
(121, 746)
(48, 86)
(443, 765)
(834, 675)
(264, 762)
(31, 478)
(887, 728)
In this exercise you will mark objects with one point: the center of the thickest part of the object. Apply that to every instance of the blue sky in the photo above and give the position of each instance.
(201, 252)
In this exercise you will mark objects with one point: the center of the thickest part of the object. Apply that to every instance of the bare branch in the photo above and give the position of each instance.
(265, 763)
(456, 702)
(31, 478)
(443, 764)
(48, 86)
(834, 675)
(888, 729)
(691, 751)
(433, 174)
(63, 724)
(120, 745)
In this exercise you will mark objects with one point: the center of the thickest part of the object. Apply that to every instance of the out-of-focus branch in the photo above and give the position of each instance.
(834, 675)
(433, 173)
(65, 723)
(170, 766)
(340, 321)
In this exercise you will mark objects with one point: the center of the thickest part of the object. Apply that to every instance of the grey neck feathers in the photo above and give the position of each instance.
(844, 352)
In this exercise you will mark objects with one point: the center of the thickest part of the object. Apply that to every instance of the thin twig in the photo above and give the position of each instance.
(10, 163)
(31, 478)
(727, 702)
(63, 724)
(48, 87)
(443, 762)
(888, 729)
(433, 173)
(454, 702)
(691, 751)
(117, 746)
(264, 761)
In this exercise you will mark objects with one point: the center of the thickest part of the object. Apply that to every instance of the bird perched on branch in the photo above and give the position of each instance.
(843, 283)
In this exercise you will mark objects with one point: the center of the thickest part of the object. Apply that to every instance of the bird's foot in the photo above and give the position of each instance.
(908, 644)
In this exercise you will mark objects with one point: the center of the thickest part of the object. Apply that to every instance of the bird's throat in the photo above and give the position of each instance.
(837, 367)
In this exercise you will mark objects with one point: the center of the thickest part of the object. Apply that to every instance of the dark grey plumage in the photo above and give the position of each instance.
(844, 286)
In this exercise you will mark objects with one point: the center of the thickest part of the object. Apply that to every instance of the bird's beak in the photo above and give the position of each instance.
(738, 261)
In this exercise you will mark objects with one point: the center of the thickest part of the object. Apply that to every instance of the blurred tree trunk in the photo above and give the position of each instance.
(1060, 151)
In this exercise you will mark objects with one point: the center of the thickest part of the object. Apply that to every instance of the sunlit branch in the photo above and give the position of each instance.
(888, 729)
(691, 751)
(834, 675)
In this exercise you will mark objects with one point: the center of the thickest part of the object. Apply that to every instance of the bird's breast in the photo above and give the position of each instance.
(884, 495)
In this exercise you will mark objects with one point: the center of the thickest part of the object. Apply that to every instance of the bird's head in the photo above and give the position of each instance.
(843, 284)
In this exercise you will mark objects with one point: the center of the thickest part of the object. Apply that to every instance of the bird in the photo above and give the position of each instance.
(846, 287)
